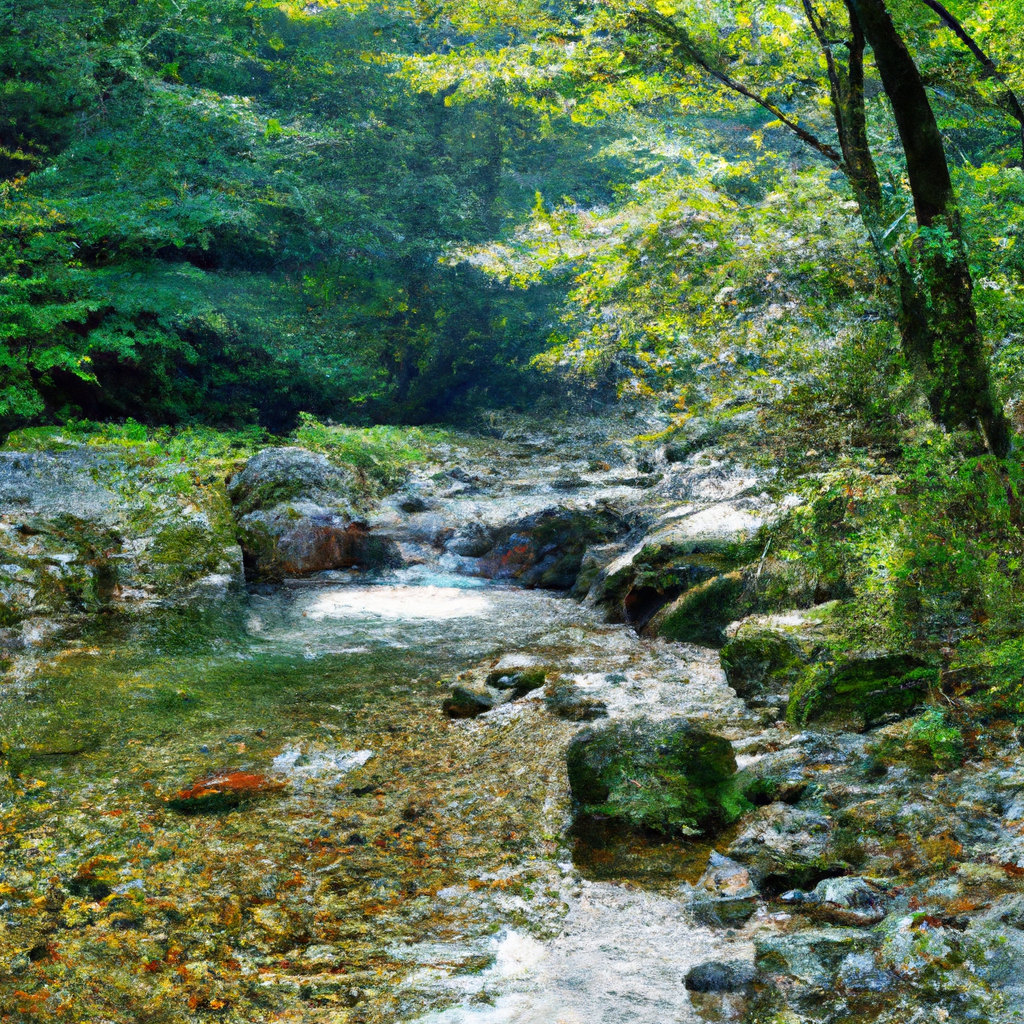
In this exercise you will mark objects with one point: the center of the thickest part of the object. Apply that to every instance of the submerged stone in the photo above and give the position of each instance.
(670, 776)
(724, 895)
(222, 792)
(519, 682)
(466, 703)
(572, 703)
(718, 976)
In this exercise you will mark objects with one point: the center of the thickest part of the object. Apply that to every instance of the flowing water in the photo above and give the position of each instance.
(414, 868)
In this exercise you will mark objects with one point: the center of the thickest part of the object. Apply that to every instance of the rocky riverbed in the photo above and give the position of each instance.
(236, 793)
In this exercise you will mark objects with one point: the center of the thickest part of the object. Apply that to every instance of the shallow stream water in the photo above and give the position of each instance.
(414, 868)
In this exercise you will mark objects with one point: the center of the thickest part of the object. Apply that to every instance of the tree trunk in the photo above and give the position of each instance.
(938, 320)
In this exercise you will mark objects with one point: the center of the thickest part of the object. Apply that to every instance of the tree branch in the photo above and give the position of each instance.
(1016, 110)
(681, 38)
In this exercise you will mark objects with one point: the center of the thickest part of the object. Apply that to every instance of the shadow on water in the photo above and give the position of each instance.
(605, 851)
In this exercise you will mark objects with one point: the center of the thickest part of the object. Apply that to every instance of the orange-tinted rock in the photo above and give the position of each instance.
(223, 791)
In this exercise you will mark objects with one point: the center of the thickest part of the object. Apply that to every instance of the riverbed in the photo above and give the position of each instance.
(412, 867)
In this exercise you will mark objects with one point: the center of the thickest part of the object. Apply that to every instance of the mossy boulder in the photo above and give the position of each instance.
(782, 775)
(90, 528)
(467, 703)
(803, 661)
(700, 615)
(276, 476)
(296, 516)
(860, 691)
(682, 550)
(669, 776)
(520, 682)
(760, 661)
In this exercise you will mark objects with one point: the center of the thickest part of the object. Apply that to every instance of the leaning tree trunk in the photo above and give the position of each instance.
(938, 319)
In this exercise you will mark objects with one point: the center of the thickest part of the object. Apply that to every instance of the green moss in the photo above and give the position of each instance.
(701, 614)
(865, 690)
(759, 661)
(668, 776)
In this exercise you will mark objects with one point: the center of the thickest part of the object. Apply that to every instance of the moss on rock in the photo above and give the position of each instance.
(860, 691)
(759, 661)
(669, 776)
(701, 614)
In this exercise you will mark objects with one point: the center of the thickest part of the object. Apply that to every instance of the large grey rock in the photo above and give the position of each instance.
(784, 847)
(471, 541)
(88, 528)
(275, 476)
(812, 958)
(849, 900)
(684, 548)
(295, 517)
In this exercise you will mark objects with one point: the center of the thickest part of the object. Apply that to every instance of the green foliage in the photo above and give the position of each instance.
(234, 212)
(943, 742)
(382, 454)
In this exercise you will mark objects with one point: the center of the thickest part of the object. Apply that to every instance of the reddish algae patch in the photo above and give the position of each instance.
(222, 791)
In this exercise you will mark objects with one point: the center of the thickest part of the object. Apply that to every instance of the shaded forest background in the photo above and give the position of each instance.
(229, 212)
(234, 212)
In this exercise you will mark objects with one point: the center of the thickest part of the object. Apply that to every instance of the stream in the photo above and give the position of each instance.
(413, 868)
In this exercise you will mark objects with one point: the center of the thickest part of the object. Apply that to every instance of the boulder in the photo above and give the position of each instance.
(761, 662)
(294, 511)
(724, 894)
(276, 476)
(546, 549)
(801, 661)
(810, 959)
(467, 703)
(780, 775)
(519, 683)
(700, 615)
(850, 900)
(302, 538)
(571, 703)
(670, 776)
(785, 847)
(686, 547)
(860, 689)
(720, 976)
(471, 541)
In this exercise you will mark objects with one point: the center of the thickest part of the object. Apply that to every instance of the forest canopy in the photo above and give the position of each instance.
(236, 212)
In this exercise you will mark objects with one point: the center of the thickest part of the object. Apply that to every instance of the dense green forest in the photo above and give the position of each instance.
(238, 211)
(234, 211)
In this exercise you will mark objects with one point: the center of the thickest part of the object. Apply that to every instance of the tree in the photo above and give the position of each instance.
(937, 319)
